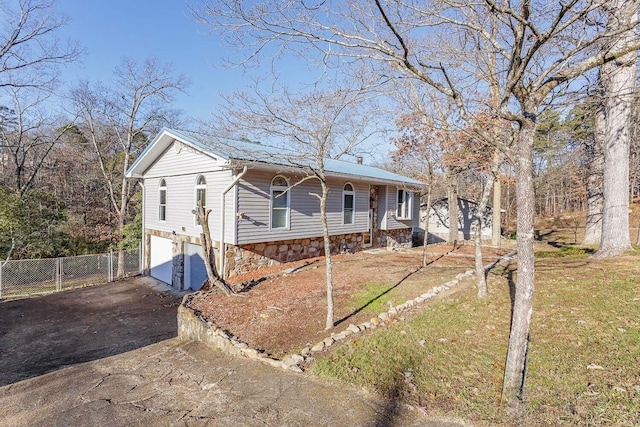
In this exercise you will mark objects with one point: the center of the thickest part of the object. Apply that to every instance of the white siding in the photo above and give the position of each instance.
(181, 202)
(172, 163)
(254, 206)
(389, 219)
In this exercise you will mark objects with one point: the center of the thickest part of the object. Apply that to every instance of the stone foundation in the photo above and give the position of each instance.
(394, 239)
(250, 257)
(246, 258)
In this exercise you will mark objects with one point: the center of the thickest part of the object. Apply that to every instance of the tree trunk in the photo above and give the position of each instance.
(481, 278)
(497, 215)
(595, 159)
(426, 227)
(515, 366)
(453, 210)
(327, 254)
(619, 78)
(202, 217)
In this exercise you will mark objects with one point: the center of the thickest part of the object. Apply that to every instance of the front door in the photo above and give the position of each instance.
(368, 235)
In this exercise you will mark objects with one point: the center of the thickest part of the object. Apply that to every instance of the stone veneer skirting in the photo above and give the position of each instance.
(250, 257)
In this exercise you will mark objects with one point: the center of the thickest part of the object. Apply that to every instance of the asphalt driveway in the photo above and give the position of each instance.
(43, 334)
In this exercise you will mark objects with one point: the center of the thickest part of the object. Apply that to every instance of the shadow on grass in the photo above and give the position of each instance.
(377, 297)
(374, 299)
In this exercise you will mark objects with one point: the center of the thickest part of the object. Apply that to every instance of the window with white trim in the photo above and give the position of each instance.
(348, 204)
(201, 194)
(405, 204)
(162, 200)
(279, 202)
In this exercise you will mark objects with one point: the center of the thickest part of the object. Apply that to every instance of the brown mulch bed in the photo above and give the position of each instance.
(286, 312)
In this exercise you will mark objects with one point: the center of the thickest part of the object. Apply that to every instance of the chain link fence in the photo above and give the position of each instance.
(46, 275)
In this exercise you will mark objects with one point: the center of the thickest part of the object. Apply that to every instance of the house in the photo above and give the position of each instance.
(438, 216)
(261, 212)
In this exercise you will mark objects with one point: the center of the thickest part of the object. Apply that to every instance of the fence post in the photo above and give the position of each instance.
(110, 263)
(58, 274)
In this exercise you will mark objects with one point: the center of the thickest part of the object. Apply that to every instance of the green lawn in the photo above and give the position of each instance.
(584, 358)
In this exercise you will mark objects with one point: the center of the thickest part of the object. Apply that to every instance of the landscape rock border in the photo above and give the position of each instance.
(192, 326)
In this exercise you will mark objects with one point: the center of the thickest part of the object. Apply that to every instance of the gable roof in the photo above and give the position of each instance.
(243, 152)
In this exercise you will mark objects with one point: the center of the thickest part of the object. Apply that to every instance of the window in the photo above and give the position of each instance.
(201, 194)
(348, 196)
(405, 204)
(279, 202)
(162, 202)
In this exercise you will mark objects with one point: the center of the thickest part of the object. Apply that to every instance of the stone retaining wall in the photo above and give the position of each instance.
(193, 327)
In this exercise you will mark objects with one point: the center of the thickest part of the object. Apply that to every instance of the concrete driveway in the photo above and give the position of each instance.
(43, 334)
(173, 383)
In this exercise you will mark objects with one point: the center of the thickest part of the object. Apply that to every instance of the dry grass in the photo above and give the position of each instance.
(583, 366)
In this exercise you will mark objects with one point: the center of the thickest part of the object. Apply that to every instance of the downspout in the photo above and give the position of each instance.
(222, 219)
(143, 249)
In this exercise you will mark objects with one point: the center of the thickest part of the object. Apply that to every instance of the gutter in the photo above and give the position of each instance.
(222, 219)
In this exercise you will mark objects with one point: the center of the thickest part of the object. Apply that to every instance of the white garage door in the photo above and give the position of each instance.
(194, 270)
(161, 259)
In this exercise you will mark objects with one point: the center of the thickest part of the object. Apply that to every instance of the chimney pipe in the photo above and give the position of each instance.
(359, 160)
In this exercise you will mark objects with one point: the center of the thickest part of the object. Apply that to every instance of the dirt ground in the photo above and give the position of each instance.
(287, 312)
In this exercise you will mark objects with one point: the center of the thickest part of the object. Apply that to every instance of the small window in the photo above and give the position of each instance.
(279, 202)
(162, 202)
(201, 194)
(348, 197)
(405, 204)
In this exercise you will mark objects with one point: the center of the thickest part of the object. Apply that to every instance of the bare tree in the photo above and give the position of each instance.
(311, 128)
(540, 46)
(28, 133)
(118, 121)
(29, 49)
(619, 78)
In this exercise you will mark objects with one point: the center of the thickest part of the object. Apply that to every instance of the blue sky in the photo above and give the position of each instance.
(109, 30)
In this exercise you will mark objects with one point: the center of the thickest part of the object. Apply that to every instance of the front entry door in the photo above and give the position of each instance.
(368, 236)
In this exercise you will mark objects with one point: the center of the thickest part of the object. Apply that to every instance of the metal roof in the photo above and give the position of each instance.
(244, 151)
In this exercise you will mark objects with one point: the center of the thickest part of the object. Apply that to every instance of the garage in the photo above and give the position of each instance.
(194, 270)
(161, 258)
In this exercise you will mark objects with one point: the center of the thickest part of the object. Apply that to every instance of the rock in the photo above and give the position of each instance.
(383, 316)
(443, 340)
(347, 332)
(367, 325)
(318, 347)
(292, 360)
(392, 311)
(275, 363)
(595, 367)
(250, 352)
(468, 332)
(328, 341)
(339, 336)
(306, 351)
(296, 368)
(353, 328)
(375, 321)
(422, 343)
(419, 300)
(403, 332)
